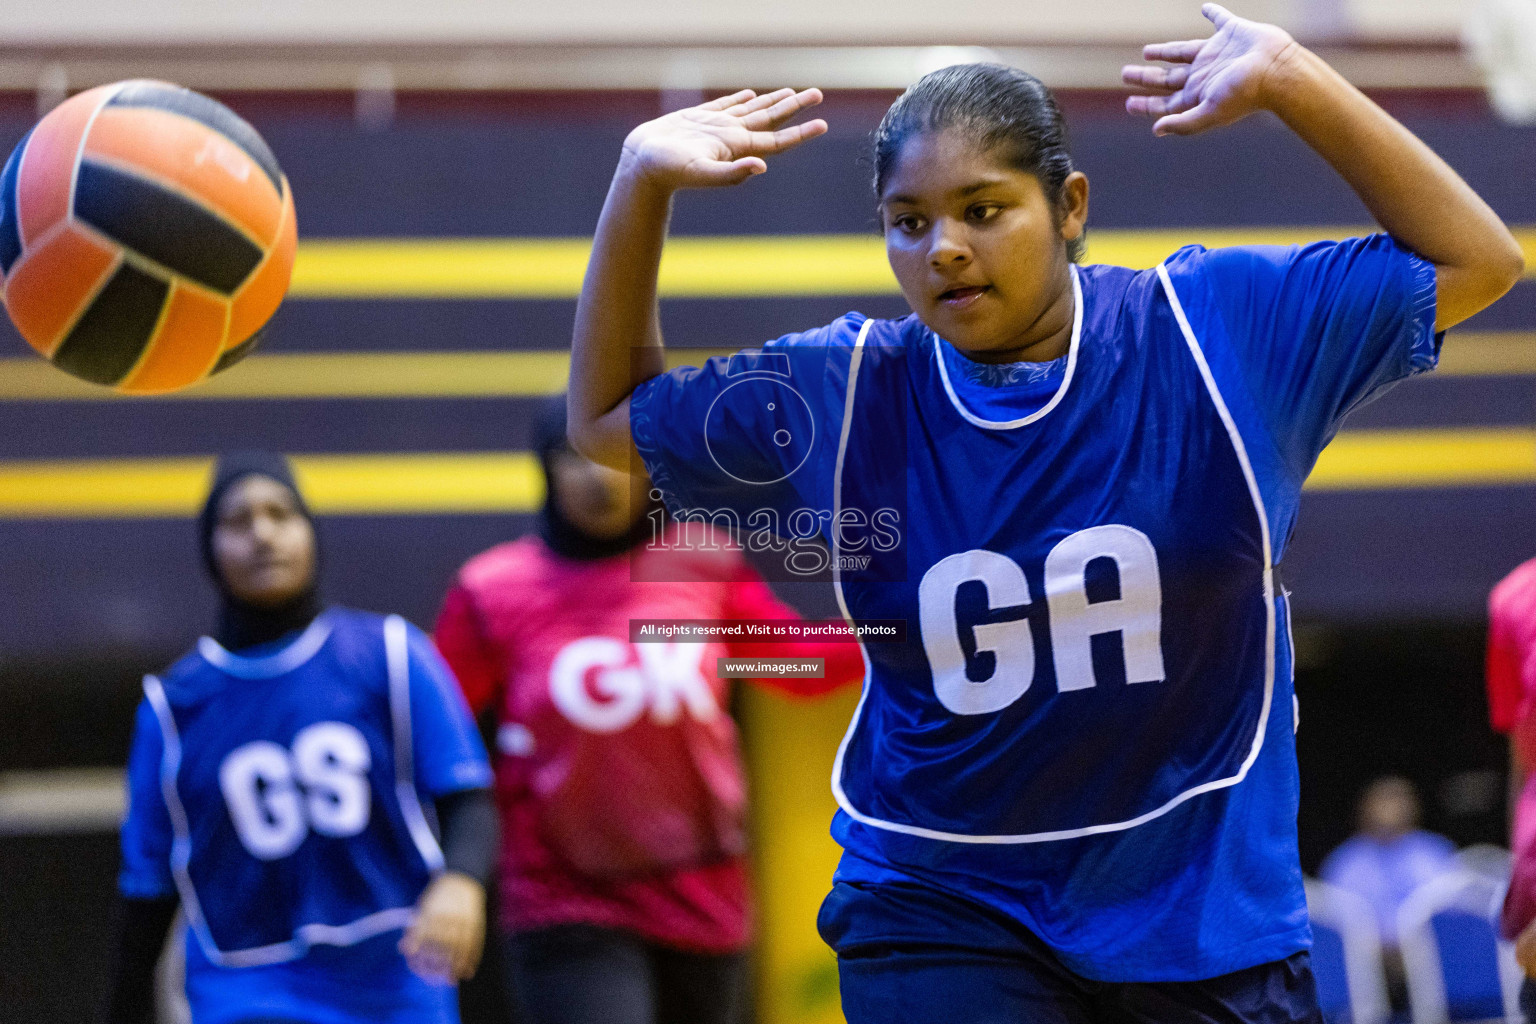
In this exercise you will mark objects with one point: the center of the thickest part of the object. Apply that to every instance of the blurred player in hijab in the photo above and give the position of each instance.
(1072, 795)
(282, 782)
(624, 881)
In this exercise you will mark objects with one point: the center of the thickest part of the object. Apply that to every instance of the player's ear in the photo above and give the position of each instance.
(1072, 207)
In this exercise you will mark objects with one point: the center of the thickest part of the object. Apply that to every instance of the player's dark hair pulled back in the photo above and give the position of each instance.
(999, 108)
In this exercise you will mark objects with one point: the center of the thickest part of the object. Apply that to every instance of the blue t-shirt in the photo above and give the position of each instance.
(284, 794)
(1089, 726)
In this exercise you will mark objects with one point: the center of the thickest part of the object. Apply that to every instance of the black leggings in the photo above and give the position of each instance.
(580, 974)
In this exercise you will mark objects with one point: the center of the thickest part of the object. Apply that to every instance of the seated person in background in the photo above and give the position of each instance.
(1511, 689)
(1388, 858)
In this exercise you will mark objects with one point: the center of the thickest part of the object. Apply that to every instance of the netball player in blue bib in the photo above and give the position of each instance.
(283, 784)
(1071, 794)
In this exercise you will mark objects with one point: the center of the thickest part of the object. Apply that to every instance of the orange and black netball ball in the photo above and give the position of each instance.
(146, 236)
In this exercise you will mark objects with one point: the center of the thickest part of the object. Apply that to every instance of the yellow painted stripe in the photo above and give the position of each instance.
(335, 375)
(1148, 248)
(523, 374)
(333, 484)
(511, 481)
(552, 268)
(697, 267)
(1385, 459)
(1488, 354)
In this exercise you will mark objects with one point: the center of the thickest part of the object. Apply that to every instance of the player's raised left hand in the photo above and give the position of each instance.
(1214, 81)
(445, 941)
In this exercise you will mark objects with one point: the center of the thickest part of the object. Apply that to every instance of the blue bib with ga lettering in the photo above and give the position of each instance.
(1097, 654)
(1089, 726)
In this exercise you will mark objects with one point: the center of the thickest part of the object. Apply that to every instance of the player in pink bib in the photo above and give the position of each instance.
(1512, 708)
(624, 881)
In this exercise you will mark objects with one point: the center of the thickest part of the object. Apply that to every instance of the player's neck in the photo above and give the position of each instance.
(243, 625)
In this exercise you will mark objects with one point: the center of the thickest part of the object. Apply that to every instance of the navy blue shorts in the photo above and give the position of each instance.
(909, 954)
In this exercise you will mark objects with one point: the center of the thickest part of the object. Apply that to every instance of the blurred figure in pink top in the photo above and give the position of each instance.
(1512, 707)
(623, 881)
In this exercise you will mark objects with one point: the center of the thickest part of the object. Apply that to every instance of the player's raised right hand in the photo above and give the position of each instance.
(722, 142)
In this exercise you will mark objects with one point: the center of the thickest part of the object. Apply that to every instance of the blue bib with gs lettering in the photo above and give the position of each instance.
(284, 794)
(292, 791)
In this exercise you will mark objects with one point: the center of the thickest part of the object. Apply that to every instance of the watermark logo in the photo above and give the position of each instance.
(762, 391)
(773, 435)
(798, 539)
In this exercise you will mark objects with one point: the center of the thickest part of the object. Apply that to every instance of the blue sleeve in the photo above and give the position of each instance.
(146, 835)
(750, 434)
(1322, 329)
(445, 745)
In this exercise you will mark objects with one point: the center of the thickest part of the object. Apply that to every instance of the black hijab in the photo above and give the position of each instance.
(563, 536)
(241, 624)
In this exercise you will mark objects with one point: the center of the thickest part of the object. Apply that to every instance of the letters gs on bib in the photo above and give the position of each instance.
(1074, 619)
(276, 797)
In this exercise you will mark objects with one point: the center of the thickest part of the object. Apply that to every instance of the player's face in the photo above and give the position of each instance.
(979, 251)
(263, 544)
(603, 503)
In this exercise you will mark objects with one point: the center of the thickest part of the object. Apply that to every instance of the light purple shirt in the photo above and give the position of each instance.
(1384, 873)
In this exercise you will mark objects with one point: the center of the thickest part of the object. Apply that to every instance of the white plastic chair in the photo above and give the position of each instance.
(1346, 949)
(1458, 968)
(1487, 860)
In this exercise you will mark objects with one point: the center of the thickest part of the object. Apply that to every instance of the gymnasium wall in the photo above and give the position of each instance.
(431, 305)
(677, 22)
(441, 249)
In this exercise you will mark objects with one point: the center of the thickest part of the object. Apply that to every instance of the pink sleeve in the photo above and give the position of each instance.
(1506, 689)
(463, 645)
(748, 597)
